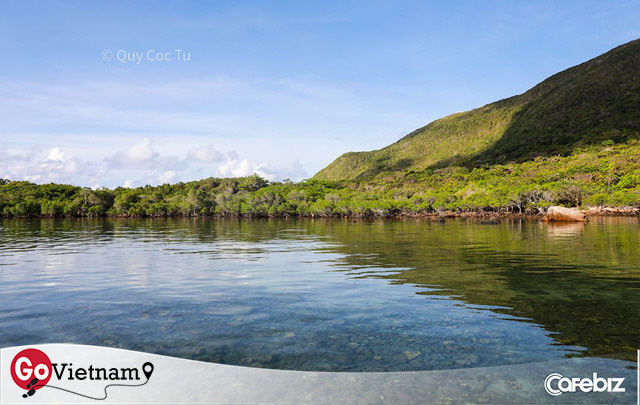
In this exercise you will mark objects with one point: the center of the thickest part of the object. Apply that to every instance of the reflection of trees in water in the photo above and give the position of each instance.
(580, 282)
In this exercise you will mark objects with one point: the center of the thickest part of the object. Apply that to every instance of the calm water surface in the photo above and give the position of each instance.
(326, 295)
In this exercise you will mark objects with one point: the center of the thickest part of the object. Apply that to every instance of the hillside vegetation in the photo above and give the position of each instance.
(596, 101)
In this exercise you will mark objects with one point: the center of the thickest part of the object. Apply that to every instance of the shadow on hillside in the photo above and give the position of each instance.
(385, 164)
(585, 105)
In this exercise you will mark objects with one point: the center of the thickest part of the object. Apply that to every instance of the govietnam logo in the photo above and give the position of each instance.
(31, 370)
(555, 384)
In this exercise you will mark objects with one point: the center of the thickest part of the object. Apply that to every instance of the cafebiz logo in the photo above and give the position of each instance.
(555, 384)
(31, 370)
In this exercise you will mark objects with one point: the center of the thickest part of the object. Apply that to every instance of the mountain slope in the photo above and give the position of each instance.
(589, 103)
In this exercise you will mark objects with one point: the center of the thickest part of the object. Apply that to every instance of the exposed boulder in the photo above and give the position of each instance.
(562, 214)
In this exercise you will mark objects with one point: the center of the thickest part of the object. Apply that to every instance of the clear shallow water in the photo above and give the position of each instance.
(326, 295)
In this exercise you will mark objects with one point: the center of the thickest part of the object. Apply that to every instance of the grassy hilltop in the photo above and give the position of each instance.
(588, 104)
(571, 140)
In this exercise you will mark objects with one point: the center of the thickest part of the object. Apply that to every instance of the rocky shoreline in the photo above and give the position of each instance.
(436, 216)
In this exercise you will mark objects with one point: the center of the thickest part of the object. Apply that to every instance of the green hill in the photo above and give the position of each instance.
(588, 104)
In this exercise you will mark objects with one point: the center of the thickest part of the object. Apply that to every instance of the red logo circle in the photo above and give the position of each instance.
(30, 365)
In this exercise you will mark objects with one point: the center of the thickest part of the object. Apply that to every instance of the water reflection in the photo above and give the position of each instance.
(325, 295)
(581, 282)
(565, 230)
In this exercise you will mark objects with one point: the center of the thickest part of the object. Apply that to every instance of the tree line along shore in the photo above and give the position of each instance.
(604, 179)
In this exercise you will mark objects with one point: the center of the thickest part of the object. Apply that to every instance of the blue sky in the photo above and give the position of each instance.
(277, 88)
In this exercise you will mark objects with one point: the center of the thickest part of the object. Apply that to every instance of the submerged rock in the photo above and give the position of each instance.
(562, 214)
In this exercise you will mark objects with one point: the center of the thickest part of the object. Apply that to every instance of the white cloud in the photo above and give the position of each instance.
(167, 177)
(205, 154)
(58, 155)
(42, 165)
(234, 167)
(294, 172)
(138, 154)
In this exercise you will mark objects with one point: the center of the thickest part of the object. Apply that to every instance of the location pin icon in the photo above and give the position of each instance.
(147, 369)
